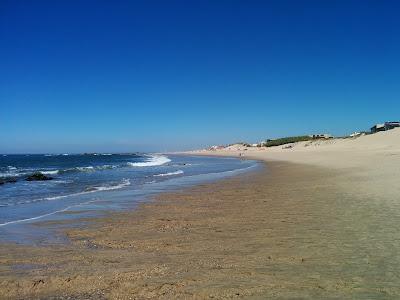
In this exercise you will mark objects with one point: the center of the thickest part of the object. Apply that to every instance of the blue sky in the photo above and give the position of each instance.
(81, 76)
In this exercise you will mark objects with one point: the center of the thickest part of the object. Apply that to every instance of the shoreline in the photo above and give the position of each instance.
(120, 200)
(20, 274)
(262, 234)
(291, 230)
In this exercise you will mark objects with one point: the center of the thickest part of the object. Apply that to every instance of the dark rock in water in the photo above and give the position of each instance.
(38, 177)
(7, 180)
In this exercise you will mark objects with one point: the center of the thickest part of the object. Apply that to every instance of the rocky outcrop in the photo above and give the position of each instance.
(38, 177)
(4, 180)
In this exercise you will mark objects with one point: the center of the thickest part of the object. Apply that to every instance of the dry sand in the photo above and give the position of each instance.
(371, 163)
(318, 222)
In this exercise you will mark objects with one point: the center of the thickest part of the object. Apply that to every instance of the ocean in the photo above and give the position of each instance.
(87, 185)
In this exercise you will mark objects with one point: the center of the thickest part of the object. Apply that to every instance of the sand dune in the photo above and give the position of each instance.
(336, 153)
(372, 162)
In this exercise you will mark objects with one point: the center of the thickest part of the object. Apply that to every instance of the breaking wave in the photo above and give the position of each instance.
(124, 183)
(51, 172)
(84, 169)
(93, 189)
(156, 160)
(15, 172)
(170, 173)
(89, 168)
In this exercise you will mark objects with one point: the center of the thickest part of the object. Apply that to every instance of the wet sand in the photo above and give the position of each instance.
(289, 231)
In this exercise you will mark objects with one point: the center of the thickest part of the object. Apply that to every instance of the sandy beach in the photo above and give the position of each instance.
(199, 150)
(319, 221)
(370, 163)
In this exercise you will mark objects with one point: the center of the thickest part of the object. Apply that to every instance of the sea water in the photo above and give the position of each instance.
(86, 185)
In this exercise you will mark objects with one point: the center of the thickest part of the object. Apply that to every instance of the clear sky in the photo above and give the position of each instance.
(81, 76)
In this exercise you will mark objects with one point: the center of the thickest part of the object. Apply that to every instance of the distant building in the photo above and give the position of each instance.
(321, 136)
(355, 134)
(385, 126)
(378, 127)
(217, 147)
(391, 125)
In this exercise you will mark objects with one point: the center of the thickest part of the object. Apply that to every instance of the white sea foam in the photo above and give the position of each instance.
(124, 183)
(156, 160)
(61, 181)
(50, 172)
(13, 174)
(170, 173)
(9, 172)
(88, 168)
(106, 167)
(85, 169)
(48, 214)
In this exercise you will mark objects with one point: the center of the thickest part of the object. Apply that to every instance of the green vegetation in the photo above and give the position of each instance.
(287, 140)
